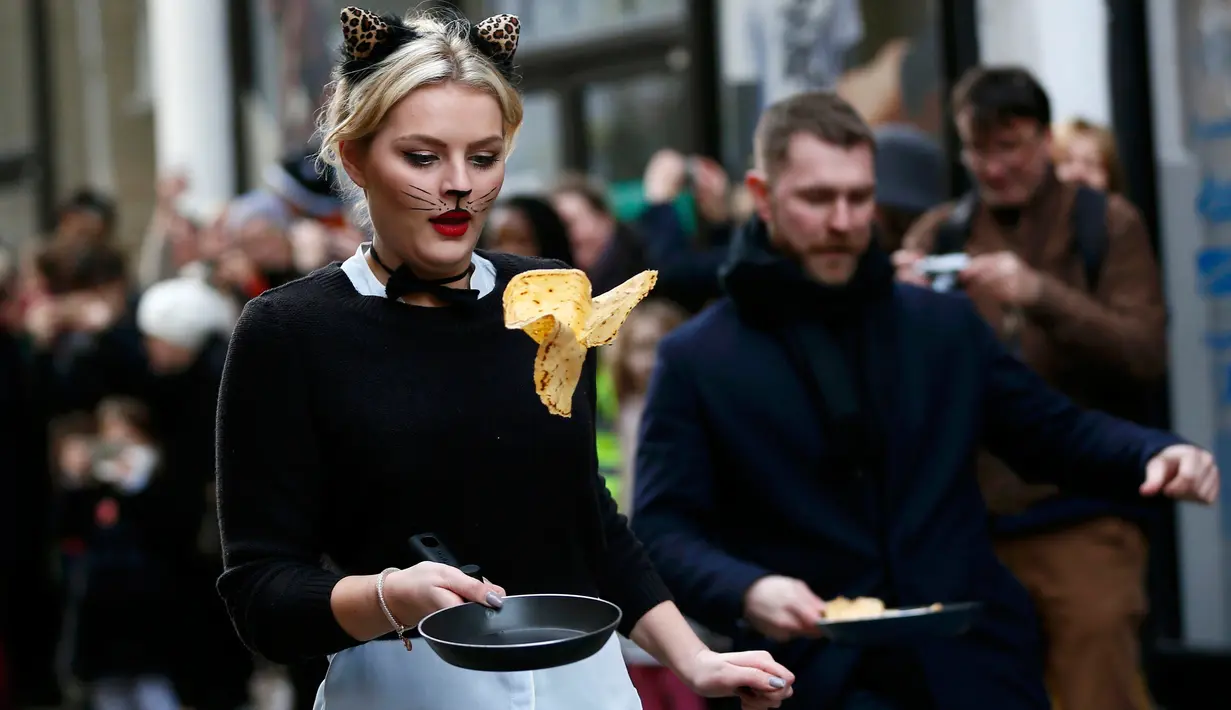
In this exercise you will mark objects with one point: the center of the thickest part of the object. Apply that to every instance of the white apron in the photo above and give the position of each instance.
(382, 675)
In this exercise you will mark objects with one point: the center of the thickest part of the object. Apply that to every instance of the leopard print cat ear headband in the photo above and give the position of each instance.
(369, 38)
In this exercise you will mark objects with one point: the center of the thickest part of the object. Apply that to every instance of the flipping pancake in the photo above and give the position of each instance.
(555, 308)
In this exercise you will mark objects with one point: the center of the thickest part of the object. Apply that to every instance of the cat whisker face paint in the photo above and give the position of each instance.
(428, 205)
(434, 201)
(454, 222)
(484, 202)
(415, 196)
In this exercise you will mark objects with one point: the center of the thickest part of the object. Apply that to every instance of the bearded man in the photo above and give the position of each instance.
(814, 433)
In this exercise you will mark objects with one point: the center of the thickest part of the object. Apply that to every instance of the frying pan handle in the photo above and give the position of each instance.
(430, 548)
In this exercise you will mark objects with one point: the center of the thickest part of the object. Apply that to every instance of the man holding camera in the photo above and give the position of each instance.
(1067, 278)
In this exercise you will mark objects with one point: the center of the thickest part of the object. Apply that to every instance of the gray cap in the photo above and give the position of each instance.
(910, 169)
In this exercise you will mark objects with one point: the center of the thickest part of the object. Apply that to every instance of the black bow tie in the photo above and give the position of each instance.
(403, 281)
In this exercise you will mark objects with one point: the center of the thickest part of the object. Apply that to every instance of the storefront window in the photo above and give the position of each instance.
(19, 205)
(881, 55)
(16, 127)
(627, 121)
(560, 21)
(18, 192)
(295, 45)
(536, 161)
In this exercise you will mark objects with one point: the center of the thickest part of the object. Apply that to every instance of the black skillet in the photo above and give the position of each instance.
(529, 633)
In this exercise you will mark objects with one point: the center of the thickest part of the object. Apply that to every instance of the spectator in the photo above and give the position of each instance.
(185, 324)
(19, 448)
(1086, 152)
(114, 500)
(910, 180)
(1066, 277)
(687, 264)
(632, 358)
(179, 318)
(608, 251)
(297, 187)
(86, 218)
(530, 226)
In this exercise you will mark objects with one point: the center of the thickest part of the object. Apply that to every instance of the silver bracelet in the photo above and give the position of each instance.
(380, 597)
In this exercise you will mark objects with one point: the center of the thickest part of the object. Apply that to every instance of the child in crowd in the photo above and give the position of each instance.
(120, 586)
(632, 358)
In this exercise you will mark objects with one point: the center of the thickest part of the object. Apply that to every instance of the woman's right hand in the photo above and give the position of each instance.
(415, 592)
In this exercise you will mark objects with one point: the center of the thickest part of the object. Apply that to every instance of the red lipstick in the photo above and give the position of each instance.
(454, 223)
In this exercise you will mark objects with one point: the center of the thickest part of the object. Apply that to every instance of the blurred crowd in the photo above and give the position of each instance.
(112, 358)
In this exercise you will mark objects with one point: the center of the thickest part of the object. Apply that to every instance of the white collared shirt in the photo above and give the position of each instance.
(361, 276)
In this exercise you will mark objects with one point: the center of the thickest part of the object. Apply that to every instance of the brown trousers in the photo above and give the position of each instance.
(1088, 585)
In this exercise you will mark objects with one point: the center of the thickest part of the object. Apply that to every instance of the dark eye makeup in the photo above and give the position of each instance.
(423, 159)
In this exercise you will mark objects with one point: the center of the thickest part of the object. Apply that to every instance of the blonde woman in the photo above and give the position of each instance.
(1086, 152)
(383, 397)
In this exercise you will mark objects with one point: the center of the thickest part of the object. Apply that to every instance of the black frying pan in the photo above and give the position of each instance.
(529, 633)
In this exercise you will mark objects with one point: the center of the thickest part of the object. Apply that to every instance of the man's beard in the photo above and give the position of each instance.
(846, 244)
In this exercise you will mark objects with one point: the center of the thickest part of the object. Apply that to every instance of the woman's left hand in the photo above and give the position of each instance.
(754, 676)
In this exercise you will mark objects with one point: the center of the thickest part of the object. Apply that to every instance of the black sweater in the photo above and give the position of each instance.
(348, 423)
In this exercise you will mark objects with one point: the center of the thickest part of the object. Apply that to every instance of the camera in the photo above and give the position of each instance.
(943, 269)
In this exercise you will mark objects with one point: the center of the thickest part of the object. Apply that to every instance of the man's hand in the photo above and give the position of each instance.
(904, 261)
(170, 188)
(1004, 277)
(782, 608)
(1182, 472)
(87, 313)
(665, 176)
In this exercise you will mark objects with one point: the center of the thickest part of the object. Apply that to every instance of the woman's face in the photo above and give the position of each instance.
(1082, 162)
(430, 172)
(589, 230)
(512, 233)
